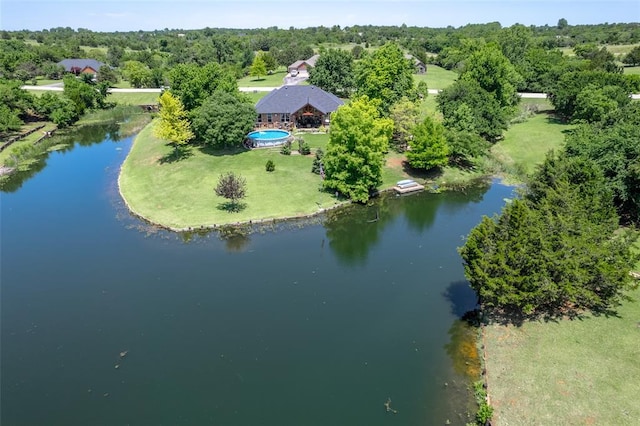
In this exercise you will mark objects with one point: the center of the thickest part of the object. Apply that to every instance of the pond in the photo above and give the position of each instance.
(107, 320)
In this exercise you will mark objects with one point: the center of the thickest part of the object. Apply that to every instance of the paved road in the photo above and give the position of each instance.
(57, 88)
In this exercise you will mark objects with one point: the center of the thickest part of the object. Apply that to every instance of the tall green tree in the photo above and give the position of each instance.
(173, 124)
(107, 74)
(137, 73)
(491, 69)
(467, 107)
(269, 61)
(615, 149)
(564, 94)
(84, 96)
(9, 119)
(223, 120)
(358, 139)
(258, 67)
(633, 57)
(556, 251)
(428, 146)
(333, 72)
(385, 75)
(59, 109)
(595, 103)
(405, 115)
(514, 42)
(192, 84)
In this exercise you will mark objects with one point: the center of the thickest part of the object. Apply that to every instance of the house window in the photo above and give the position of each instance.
(259, 118)
(285, 117)
(269, 118)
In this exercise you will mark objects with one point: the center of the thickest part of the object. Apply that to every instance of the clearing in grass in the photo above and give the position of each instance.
(526, 144)
(275, 79)
(436, 77)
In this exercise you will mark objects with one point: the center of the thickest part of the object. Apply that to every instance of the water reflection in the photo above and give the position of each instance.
(85, 136)
(354, 230)
(280, 333)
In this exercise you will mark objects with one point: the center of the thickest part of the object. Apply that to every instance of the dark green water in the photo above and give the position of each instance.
(308, 325)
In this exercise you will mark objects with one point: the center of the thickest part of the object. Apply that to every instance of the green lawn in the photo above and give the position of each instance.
(255, 96)
(274, 80)
(119, 98)
(134, 98)
(179, 194)
(526, 144)
(45, 81)
(573, 372)
(28, 140)
(346, 46)
(632, 70)
(436, 77)
(620, 49)
(122, 84)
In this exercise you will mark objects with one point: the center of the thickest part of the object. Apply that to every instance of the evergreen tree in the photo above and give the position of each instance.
(557, 250)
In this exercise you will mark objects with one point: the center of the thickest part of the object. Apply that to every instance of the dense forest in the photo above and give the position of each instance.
(27, 54)
(147, 58)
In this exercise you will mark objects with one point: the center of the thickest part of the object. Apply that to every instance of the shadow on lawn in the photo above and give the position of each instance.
(178, 154)
(219, 152)
(553, 314)
(420, 173)
(232, 206)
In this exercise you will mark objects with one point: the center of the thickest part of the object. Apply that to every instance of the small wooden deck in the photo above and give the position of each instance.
(407, 186)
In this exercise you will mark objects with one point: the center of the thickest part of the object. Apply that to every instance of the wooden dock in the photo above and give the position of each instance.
(407, 186)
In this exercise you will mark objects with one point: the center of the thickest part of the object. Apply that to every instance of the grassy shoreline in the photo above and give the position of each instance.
(570, 372)
(178, 194)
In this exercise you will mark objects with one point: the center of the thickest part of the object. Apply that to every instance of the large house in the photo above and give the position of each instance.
(301, 106)
(302, 66)
(81, 66)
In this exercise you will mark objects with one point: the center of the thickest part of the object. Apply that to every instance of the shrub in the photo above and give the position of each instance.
(270, 166)
(485, 411)
(317, 161)
(286, 148)
(303, 147)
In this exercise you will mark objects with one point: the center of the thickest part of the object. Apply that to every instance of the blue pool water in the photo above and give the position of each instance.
(269, 137)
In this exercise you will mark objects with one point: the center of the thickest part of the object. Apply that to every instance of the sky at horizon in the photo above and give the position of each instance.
(147, 15)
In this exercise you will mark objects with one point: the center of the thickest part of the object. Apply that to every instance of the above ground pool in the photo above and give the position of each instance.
(268, 137)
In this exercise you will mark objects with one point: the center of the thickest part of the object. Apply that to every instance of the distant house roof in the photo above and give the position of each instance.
(296, 65)
(289, 99)
(81, 64)
(420, 67)
(415, 60)
(311, 62)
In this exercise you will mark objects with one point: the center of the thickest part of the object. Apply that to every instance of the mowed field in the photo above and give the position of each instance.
(525, 145)
(572, 372)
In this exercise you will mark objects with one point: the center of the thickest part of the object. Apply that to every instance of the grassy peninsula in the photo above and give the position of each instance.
(178, 192)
